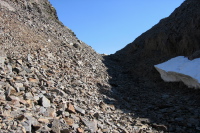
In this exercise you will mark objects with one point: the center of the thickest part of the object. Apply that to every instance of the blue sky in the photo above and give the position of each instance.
(109, 25)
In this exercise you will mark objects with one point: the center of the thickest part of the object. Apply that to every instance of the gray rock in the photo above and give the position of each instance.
(45, 102)
(56, 126)
(92, 125)
(2, 60)
(27, 70)
(29, 95)
(80, 110)
(27, 125)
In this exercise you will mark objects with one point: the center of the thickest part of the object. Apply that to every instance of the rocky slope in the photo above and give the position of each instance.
(138, 82)
(49, 80)
(52, 82)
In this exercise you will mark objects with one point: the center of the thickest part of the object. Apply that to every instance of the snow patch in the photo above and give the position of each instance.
(181, 69)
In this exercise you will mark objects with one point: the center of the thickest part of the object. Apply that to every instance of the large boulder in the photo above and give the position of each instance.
(181, 69)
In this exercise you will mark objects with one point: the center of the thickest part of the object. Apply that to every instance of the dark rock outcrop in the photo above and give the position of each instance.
(137, 82)
(175, 35)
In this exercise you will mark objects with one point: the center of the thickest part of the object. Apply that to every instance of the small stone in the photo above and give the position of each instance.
(14, 98)
(44, 67)
(50, 112)
(2, 97)
(69, 121)
(32, 80)
(36, 98)
(105, 130)
(27, 126)
(28, 95)
(29, 57)
(80, 110)
(2, 60)
(80, 130)
(56, 126)
(70, 108)
(96, 115)
(43, 120)
(42, 110)
(75, 126)
(18, 78)
(103, 106)
(19, 61)
(29, 103)
(11, 91)
(27, 70)
(50, 83)
(23, 130)
(77, 45)
(20, 117)
(59, 92)
(18, 85)
(45, 102)
(36, 127)
(92, 125)
(66, 113)
(16, 70)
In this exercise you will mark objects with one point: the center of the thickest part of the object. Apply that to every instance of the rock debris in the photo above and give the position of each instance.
(51, 82)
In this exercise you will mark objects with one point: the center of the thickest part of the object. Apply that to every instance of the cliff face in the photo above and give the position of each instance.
(175, 35)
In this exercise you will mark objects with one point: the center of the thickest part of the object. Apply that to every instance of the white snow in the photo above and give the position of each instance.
(181, 69)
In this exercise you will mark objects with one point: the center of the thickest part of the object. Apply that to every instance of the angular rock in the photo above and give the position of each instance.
(43, 120)
(19, 61)
(92, 125)
(2, 60)
(56, 126)
(80, 110)
(32, 80)
(50, 112)
(80, 130)
(27, 126)
(69, 121)
(71, 108)
(45, 102)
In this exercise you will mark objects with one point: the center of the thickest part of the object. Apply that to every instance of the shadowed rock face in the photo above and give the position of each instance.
(175, 35)
(136, 81)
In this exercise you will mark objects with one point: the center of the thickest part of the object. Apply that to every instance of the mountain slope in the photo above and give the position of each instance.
(52, 82)
(175, 35)
(49, 79)
(140, 85)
